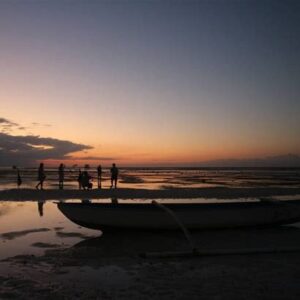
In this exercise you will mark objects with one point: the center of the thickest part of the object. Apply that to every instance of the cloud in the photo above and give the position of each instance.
(98, 158)
(27, 150)
(7, 125)
(36, 124)
(8, 122)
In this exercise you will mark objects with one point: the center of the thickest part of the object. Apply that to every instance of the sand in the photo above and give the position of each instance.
(111, 268)
(125, 193)
(14, 234)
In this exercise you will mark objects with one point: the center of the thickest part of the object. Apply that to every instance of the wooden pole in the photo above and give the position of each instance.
(178, 222)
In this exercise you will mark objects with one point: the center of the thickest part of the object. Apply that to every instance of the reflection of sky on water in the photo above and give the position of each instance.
(33, 227)
(24, 231)
(165, 178)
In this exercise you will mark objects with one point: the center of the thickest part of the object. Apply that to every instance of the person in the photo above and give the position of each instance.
(99, 173)
(79, 179)
(114, 176)
(86, 181)
(41, 176)
(19, 179)
(61, 176)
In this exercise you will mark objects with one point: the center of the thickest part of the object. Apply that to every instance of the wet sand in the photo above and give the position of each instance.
(125, 193)
(110, 268)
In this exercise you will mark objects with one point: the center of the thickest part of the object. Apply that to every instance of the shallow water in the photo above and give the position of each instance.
(164, 178)
(33, 227)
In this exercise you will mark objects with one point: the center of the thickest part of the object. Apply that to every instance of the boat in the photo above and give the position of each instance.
(106, 216)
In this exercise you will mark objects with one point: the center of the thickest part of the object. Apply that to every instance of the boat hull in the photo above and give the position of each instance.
(193, 216)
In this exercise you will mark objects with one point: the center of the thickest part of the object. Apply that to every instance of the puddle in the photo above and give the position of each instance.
(26, 228)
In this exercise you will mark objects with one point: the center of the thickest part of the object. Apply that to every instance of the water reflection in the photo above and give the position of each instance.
(24, 231)
(114, 200)
(40, 207)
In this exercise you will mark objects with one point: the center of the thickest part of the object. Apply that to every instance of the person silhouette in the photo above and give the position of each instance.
(114, 176)
(61, 176)
(86, 181)
(19, 179)
(99, 173)
(41, 176)
(79, 179)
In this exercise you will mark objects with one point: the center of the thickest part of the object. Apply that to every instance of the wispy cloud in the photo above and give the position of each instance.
(7, 125)
(8, 122)
(92, 158)
(36, 124)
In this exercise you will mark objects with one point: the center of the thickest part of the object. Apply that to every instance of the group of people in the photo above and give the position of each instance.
(84, 178)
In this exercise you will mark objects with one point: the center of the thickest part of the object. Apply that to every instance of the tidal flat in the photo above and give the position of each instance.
(51, 257)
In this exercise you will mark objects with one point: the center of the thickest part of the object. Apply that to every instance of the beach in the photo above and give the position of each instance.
(111, 265)
(150, 150)
(44, 255)
(111, 268)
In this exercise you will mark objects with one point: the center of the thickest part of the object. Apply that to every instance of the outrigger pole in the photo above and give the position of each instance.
(196, 252)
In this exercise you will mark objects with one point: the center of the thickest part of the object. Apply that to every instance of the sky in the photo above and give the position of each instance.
(148, 82)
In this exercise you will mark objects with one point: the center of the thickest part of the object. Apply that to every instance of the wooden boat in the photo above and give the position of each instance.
(193, 216)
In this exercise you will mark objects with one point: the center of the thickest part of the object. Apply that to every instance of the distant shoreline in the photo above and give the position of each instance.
(153, 168)
(126, 193)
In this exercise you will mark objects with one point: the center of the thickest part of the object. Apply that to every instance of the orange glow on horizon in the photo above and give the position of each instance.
(157, 159)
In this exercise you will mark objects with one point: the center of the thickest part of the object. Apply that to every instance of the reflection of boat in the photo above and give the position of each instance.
(141, 241)
(193, 216)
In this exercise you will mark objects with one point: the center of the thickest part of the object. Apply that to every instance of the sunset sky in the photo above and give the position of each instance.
(148, 82)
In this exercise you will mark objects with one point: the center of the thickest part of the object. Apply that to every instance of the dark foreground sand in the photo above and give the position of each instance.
(110, 268)
(122, 193)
